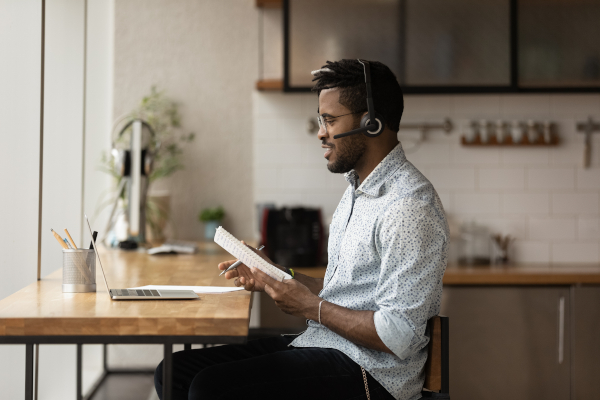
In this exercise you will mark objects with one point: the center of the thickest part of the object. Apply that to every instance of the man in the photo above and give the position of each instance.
(387, 254)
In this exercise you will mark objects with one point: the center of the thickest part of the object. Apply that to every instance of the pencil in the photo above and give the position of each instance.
(80, 265)
(59, 239)
(71, 239)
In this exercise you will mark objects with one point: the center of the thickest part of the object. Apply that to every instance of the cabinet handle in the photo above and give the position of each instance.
(561, 329)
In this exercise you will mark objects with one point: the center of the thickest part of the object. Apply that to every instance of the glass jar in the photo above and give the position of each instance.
(475, 245)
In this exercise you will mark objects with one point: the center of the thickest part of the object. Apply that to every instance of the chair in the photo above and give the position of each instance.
(436, 384)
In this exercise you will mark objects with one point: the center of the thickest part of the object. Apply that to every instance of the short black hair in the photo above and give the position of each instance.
(348, 75)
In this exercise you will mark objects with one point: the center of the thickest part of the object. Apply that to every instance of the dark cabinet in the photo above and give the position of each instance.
(458, 46)
(559, 43)
(585, 360)
(509, 342)
(456, 43)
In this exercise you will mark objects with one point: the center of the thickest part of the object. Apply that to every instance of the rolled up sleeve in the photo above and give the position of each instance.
(411, 241)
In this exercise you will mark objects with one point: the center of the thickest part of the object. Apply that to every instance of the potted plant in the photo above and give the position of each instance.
(211, 217)
(166, 147)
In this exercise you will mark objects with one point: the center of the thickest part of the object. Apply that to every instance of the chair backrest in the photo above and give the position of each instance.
(436, 368)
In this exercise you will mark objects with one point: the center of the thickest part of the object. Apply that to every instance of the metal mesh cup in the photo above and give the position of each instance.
(79, 271)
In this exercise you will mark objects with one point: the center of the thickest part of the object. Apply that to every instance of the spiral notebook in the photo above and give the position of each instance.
(229, 242)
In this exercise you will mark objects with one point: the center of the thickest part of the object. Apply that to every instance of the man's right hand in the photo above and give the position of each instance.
(242, 274)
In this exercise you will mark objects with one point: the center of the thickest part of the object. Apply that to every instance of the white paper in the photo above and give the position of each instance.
(196, 289)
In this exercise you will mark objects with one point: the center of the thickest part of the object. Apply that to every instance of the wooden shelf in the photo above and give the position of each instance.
(509, 143)
(269, 84)
(269, 3)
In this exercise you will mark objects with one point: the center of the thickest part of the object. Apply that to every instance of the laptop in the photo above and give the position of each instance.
(139, 294)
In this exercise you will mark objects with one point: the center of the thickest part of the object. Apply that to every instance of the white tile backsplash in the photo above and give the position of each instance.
(516, 227)
(526, 203)
(589, 178)
(575, 252)
(571, 105)
(588, 228)
(476, 107)
(541, 196)
(531, 251)
(501, 178)
(575, 203)
(475, 155)
(526, 106)
(452, 178)
(551, 178)
(537, 156)
(552, 228)
(477, 203)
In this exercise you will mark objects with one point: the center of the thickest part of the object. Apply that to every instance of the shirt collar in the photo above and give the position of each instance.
(380, 174)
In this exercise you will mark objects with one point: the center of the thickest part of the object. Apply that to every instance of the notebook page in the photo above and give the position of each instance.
(227, 241)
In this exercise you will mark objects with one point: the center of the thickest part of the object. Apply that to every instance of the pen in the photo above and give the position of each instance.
(59, 239)
(68, 244)
(71, 239)
(94, 236)
(237, 263)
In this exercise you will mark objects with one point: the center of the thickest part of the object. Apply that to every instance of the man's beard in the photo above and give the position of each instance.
(348, 152)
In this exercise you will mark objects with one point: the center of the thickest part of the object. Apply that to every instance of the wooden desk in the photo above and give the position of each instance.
(41, 313)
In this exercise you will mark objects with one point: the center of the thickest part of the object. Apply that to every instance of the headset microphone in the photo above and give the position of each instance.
(367, 128)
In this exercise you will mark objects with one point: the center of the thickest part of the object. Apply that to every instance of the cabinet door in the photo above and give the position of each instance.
(457, 43)
(585, 332)
(558, 43)
(508, 342)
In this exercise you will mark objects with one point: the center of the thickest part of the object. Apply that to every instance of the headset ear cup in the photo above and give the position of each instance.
(378, 131)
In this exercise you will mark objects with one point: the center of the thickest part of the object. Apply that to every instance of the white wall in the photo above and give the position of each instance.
(541, 196)
(20, 45)
(204, 54)
(19, 156)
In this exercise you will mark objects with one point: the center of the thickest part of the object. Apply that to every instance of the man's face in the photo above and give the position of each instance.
(344, 153)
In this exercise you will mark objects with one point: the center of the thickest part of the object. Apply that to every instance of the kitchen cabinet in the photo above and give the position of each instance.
(558, 43)
(436, 46)
(509, 342)
(585, 361)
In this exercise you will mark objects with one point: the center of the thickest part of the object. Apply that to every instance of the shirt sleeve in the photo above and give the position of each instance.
(412, 243)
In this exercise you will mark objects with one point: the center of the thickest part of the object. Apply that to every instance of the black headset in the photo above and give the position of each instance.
(366, 127)
(123, 157)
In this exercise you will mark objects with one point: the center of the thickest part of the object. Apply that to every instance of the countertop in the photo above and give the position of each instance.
(513, 274)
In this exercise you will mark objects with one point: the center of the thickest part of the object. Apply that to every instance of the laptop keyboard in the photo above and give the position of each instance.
(136, 292)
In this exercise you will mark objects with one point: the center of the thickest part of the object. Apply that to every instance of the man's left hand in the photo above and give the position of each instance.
(290, 296)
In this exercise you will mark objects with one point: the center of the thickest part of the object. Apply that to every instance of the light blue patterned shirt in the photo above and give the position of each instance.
(388, 243)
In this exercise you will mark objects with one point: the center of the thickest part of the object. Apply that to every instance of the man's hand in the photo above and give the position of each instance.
(291, 296)
(243, 274)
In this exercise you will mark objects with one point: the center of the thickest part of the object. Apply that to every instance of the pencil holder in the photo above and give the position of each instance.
(79, 271)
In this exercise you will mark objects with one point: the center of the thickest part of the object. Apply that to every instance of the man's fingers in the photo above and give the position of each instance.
(270, 291)
(226, 264)
(249, 285)
(265, 278)
(231, 274)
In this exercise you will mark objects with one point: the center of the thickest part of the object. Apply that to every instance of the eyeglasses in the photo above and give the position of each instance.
(324, 121)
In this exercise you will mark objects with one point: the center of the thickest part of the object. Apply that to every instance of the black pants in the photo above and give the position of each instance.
(267, 369)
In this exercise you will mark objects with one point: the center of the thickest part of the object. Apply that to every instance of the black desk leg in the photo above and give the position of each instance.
(187, 346)
(79, 372)
(167, 371)
(29, 371)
